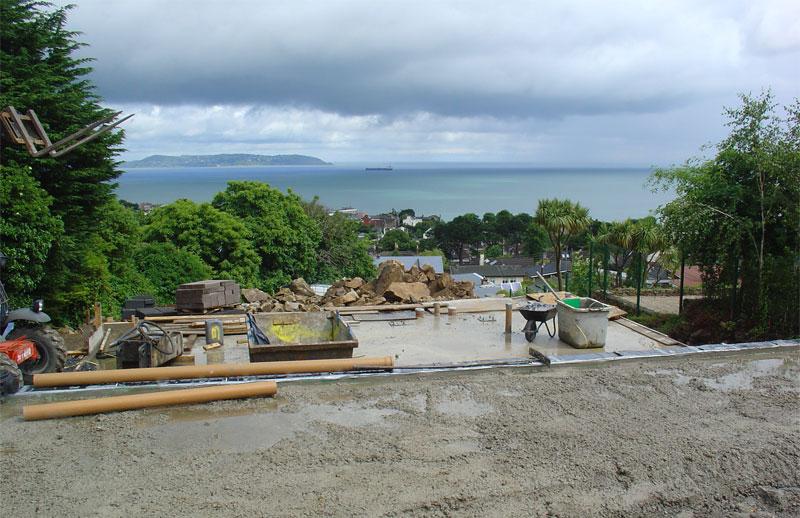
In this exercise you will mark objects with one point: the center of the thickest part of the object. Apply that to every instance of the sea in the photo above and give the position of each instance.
(447, 190)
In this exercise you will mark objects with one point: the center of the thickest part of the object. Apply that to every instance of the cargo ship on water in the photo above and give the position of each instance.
(382, 168)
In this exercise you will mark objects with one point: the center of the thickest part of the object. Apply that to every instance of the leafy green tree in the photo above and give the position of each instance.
(520, 228)
(561, 219)
(435, 252)
(27, 230)
(285, 237)
(463, 231)
(494, 251)
(535, 241)
(166, 267)
(219, 239)
(341, 253)
(39, 71)
(404, 213)
(737, 216)
(396, 239)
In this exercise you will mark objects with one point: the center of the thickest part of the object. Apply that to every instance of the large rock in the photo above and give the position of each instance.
(255, 295)
(406, 292)
(456, 290)
(429, 272)
(347, 298)
(285, 295)
(300, 287)
(354, 283)
(388, 272)
(442, 282)
(291, 306)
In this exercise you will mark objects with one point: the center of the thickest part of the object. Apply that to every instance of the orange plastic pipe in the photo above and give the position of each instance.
(136, 401)
(68, 379)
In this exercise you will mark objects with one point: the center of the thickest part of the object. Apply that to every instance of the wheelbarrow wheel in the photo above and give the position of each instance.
(530, 330)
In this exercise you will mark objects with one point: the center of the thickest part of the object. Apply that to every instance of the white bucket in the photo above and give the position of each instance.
(585, 327)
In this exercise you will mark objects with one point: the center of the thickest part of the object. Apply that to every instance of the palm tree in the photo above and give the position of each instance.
(561, 219)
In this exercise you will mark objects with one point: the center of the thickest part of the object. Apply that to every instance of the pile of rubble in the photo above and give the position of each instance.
(393, 285)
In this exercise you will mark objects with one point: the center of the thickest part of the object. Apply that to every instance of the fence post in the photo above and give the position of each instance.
(605, 271)
(638, 283)
(734, 286)
(591, 267)
(683, 274)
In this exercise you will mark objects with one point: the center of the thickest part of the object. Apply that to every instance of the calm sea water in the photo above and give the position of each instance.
(447, 190)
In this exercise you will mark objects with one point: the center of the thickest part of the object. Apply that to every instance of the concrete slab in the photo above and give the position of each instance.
(464, 337)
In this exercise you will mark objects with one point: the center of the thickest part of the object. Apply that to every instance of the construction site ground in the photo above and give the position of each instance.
(704, 435)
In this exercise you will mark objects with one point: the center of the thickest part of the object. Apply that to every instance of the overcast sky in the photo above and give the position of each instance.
(546, 83)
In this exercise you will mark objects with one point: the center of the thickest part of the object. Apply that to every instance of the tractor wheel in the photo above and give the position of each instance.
(50, 346)
(10, 376)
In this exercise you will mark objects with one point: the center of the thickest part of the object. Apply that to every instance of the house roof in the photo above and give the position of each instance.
(510, 270)
(410, 260)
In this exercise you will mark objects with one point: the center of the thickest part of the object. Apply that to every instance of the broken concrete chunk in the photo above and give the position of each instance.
(300, 287)
(255, 295)
(354, 283)
(406, 292)
(388, 272)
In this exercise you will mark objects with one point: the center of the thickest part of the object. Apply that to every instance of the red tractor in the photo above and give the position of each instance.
(27, 346)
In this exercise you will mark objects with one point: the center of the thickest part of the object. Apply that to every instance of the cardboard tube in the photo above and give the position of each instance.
(67, 379)
(153, 399)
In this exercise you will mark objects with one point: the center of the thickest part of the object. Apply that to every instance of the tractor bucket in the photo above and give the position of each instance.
(26, 129)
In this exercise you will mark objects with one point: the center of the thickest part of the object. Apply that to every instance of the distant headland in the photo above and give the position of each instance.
(223, 160)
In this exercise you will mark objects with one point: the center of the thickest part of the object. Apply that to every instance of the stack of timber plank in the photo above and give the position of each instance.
(202, 296)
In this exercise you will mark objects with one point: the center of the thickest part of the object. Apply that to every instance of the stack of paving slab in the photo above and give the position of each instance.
(203, 296)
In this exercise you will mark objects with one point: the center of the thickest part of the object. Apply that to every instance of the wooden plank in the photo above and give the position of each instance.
(184, 318)
(648, 332)
(385, 317)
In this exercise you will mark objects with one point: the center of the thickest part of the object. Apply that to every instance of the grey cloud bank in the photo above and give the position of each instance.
(553, 83)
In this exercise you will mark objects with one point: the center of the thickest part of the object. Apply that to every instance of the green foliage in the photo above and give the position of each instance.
(341, 253)
(166, 267)
(106, 273)
(40, 72)
(396, 239)
(561, 219)
(433, 252)
(737, 216)
(405, 212)
(219, 239)
(534, 241)
(463, 231)
(494, 251)
(285, 237)
(27, 230)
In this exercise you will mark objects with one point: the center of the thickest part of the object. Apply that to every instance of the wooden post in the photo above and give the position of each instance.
(436, 308)
(509, 316)
(98, 315)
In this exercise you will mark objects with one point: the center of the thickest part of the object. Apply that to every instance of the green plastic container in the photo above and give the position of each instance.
(573, 302)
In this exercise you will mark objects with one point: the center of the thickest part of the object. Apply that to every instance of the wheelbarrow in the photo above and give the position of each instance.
(537, 315)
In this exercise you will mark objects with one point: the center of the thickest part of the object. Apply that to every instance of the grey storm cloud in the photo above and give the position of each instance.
(623, 82)
(461, 58)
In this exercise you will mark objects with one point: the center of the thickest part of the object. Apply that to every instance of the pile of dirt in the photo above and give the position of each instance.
(393, 285)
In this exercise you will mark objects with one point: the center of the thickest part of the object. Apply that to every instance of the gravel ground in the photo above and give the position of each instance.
(702, 436)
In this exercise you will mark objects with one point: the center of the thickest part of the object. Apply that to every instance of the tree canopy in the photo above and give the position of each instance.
(561, 219)
(737, 216)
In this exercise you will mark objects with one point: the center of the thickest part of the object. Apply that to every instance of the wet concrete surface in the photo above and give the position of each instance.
(715, 435)
(471, 337)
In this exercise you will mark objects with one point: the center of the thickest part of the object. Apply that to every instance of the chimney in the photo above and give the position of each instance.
(481, 259)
